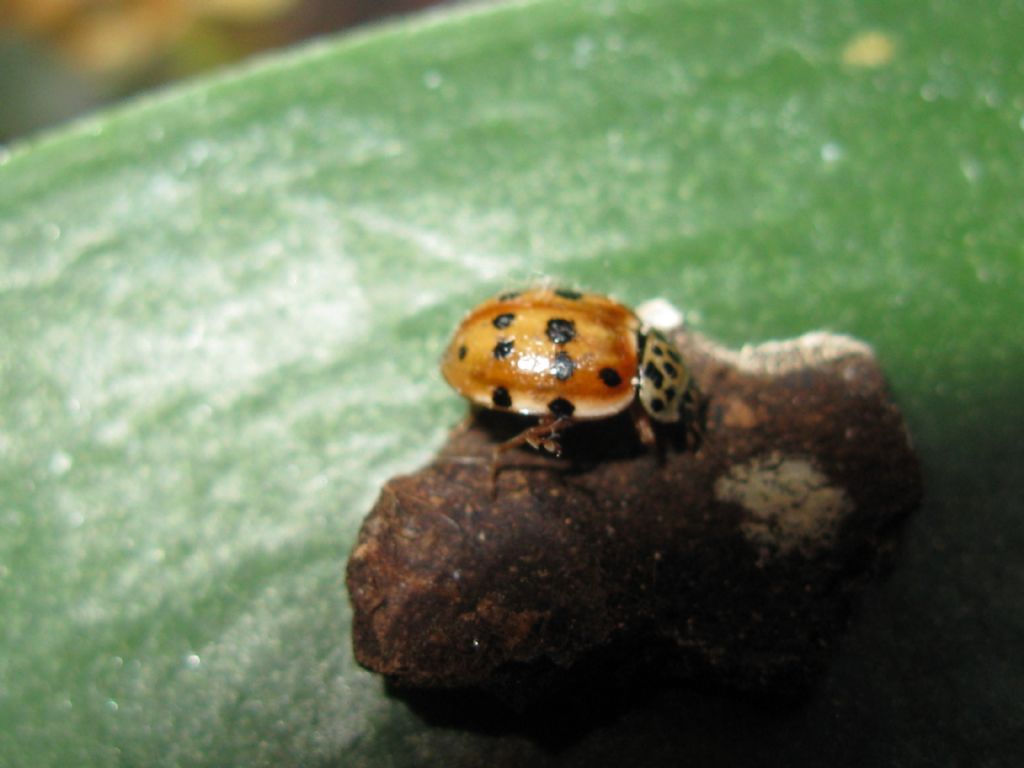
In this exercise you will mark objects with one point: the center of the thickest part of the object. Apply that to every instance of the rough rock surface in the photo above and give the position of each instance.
(732, 561)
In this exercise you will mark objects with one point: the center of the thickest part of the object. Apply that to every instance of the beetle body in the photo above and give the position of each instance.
(565, 356)
(544, 352)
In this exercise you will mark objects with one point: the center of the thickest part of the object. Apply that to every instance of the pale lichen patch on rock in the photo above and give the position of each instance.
(791, 504)
(777, 358)
(770, 358)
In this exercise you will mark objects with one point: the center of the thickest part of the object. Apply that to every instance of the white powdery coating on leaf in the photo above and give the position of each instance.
(791, 504)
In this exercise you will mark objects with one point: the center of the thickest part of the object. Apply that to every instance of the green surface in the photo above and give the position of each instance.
(221, 311)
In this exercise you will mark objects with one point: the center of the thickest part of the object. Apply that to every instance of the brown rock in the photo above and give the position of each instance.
(732, 561)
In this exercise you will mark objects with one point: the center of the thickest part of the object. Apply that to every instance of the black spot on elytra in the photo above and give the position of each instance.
(651, 372)
(503, 349)
(503, 320)
(561, 331)
(563, 366)
(657, 405)
(658, 350)
(508, 295)
(561, 407)
(565, 293)
(671, 370)
(462, 352)
(501, 398)
(610, 377)
(670, 394)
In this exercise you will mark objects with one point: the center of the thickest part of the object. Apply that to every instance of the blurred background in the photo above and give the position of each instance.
(61, 58)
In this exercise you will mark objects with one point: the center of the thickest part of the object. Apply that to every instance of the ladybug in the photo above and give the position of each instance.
(564, 356)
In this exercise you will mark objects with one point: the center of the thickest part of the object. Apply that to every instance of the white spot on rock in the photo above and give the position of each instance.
(790, 503)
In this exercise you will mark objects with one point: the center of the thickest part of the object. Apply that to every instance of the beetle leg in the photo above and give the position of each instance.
(542, 436)
(467, 420)
(642, 425)
(695, 413)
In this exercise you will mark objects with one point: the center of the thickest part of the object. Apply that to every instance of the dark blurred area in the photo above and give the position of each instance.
(60, 58)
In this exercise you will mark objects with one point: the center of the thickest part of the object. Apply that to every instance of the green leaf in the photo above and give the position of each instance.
(221, 310)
